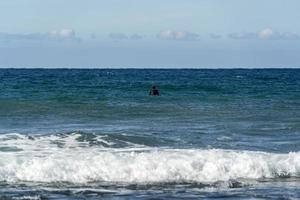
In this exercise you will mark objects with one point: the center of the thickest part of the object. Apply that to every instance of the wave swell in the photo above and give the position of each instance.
(66, 159)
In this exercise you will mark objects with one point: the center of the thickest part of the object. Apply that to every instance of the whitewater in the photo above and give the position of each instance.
(64, 158)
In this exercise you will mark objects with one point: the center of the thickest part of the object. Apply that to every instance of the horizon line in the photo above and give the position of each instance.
(152, 68)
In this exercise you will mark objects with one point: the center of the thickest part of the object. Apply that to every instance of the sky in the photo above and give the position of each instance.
(149, 34)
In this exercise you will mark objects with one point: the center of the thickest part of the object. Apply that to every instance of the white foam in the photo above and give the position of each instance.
(35, 197)
(44, 160)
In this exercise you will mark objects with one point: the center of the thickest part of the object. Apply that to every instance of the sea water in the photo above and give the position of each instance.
(96, 133)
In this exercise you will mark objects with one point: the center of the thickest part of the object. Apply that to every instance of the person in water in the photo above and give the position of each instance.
(154, 91)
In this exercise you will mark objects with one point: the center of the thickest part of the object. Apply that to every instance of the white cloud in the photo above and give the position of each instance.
(242, 35)
(118, 36)
(136, 37)
(269, 33)
(63, 34)
(177, 35)
(290, 36)
(16, 36)
(122, 36)
(215, 36)
(265, 34)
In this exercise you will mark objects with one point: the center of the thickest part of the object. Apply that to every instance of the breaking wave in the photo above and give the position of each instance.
(79, 158)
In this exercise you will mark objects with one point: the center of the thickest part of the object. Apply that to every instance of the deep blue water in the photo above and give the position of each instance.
(89, 134)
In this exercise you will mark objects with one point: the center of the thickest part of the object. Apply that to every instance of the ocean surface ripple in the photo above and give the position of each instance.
(90, 134)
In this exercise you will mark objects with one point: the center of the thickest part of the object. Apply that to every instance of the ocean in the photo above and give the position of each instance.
(97, 134)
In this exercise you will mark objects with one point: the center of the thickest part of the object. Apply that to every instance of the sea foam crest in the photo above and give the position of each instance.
(46, 160)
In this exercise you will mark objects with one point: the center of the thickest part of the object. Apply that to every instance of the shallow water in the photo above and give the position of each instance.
(212, 134)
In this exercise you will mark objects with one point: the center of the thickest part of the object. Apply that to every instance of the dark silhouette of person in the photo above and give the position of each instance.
(154, 91)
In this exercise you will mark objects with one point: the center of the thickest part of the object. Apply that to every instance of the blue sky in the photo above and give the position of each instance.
(156, 33)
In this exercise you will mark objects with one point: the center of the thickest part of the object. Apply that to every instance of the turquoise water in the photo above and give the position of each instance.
(71, 133)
